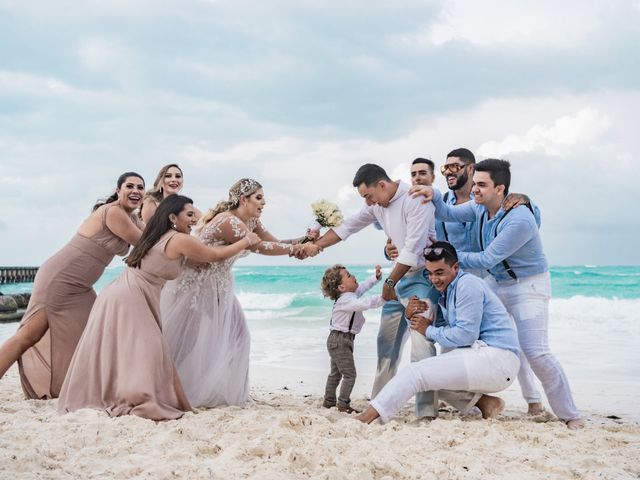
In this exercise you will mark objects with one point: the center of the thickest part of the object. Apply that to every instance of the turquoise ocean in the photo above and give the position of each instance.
(594, 321)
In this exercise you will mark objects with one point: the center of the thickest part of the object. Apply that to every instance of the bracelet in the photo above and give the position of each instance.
(248, 240)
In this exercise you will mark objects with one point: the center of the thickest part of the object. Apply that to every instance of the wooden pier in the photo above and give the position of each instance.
(17, 274)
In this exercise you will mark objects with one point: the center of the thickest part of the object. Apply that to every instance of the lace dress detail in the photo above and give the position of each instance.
(204, 324)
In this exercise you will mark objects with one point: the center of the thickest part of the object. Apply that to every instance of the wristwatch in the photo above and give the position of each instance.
(390, 282)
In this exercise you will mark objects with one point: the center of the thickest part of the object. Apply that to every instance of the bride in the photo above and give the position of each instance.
(202, 319)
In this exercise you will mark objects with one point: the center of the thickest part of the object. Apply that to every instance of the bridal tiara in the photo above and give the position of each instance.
(246, 186)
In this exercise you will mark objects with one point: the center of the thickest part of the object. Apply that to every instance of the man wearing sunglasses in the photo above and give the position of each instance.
(406, 221)
(511, 249)
(479, 345)
(458, 171)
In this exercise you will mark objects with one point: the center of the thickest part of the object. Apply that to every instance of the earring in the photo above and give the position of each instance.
(174, 226)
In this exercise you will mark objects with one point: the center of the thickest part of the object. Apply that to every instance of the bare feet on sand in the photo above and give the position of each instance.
(490, 406)
(369, 415)
(575, 424)
(535, 409)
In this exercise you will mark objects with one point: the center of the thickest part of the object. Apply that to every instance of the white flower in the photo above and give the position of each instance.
(326, 213)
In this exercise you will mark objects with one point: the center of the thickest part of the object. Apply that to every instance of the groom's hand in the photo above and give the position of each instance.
(297, 251)
(311, 249)
(312, 234)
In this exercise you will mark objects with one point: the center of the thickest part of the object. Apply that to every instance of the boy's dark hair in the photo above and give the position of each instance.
(463, 154)
(370, 174)
(331, 280)
(427, 161)
(441, 250)
(499, 172)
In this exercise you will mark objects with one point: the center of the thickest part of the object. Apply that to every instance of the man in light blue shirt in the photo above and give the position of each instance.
(478, 340)
(512, 252)
(458, 170)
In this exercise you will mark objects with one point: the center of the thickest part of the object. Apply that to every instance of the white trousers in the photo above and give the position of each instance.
(478, 369)
(527, 301)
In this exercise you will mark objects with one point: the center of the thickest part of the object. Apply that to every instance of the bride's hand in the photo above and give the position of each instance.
(312, 235)
(311, 249)
(251, 239)
(298, 251)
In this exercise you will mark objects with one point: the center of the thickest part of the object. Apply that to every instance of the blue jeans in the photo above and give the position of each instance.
(393, 333)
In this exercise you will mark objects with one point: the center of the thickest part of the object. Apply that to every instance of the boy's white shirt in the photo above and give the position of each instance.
(350, 302)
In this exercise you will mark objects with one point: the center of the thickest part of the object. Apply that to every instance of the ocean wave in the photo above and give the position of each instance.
(265, 301)
(620, 314)
(569, 274)
(384, 270)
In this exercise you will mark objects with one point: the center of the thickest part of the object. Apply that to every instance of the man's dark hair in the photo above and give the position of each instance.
(370, 174)
(441, 250)
(499, 171)
(427, 161)
(463, 154)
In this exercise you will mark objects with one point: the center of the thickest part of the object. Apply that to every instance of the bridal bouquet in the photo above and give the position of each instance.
(325, 214)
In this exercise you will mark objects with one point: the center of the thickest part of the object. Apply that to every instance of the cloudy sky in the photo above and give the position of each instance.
(298, 94)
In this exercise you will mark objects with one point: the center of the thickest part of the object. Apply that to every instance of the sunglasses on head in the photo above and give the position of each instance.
(436, 251)
(452, 167)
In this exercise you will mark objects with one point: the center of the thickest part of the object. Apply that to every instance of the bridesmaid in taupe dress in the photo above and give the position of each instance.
(63, 292)
(122, 364)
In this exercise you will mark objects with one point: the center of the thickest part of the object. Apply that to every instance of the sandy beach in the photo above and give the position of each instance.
(284, 433)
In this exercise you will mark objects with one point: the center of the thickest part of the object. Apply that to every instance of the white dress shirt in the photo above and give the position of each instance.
(350, 302)
(406, 221)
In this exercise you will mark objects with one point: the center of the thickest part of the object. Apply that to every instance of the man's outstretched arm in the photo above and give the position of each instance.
(328, 239)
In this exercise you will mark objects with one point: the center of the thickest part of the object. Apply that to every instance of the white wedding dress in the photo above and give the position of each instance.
(204, 324)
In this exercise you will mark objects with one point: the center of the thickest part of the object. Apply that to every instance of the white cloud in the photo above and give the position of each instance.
(583, 127)
(299, 94)
(102, 54)
(25, 83)
(239, 153)
(490, 22)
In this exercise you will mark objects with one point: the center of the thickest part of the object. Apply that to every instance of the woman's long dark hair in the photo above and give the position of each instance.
(158, 225)
(114, 195)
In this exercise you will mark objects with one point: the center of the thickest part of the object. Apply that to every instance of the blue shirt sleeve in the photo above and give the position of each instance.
(453, 213)
(536, 214)
(516, 231)
(468, 315)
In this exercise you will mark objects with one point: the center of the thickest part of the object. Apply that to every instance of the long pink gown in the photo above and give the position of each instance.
(64, 288)
(122, 364)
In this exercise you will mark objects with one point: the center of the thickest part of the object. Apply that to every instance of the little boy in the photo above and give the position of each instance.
(346, 321)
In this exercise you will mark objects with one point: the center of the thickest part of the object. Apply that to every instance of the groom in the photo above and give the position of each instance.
(406, 221)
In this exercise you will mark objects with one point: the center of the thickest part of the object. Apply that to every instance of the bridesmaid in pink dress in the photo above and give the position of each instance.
(122, 364)
(63, 291)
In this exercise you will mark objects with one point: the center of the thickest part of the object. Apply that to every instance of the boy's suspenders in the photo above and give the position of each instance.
(353, 316)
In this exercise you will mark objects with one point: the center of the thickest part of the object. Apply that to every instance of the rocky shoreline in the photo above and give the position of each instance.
(13, 306)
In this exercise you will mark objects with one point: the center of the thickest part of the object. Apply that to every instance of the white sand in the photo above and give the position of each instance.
(286, 434)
